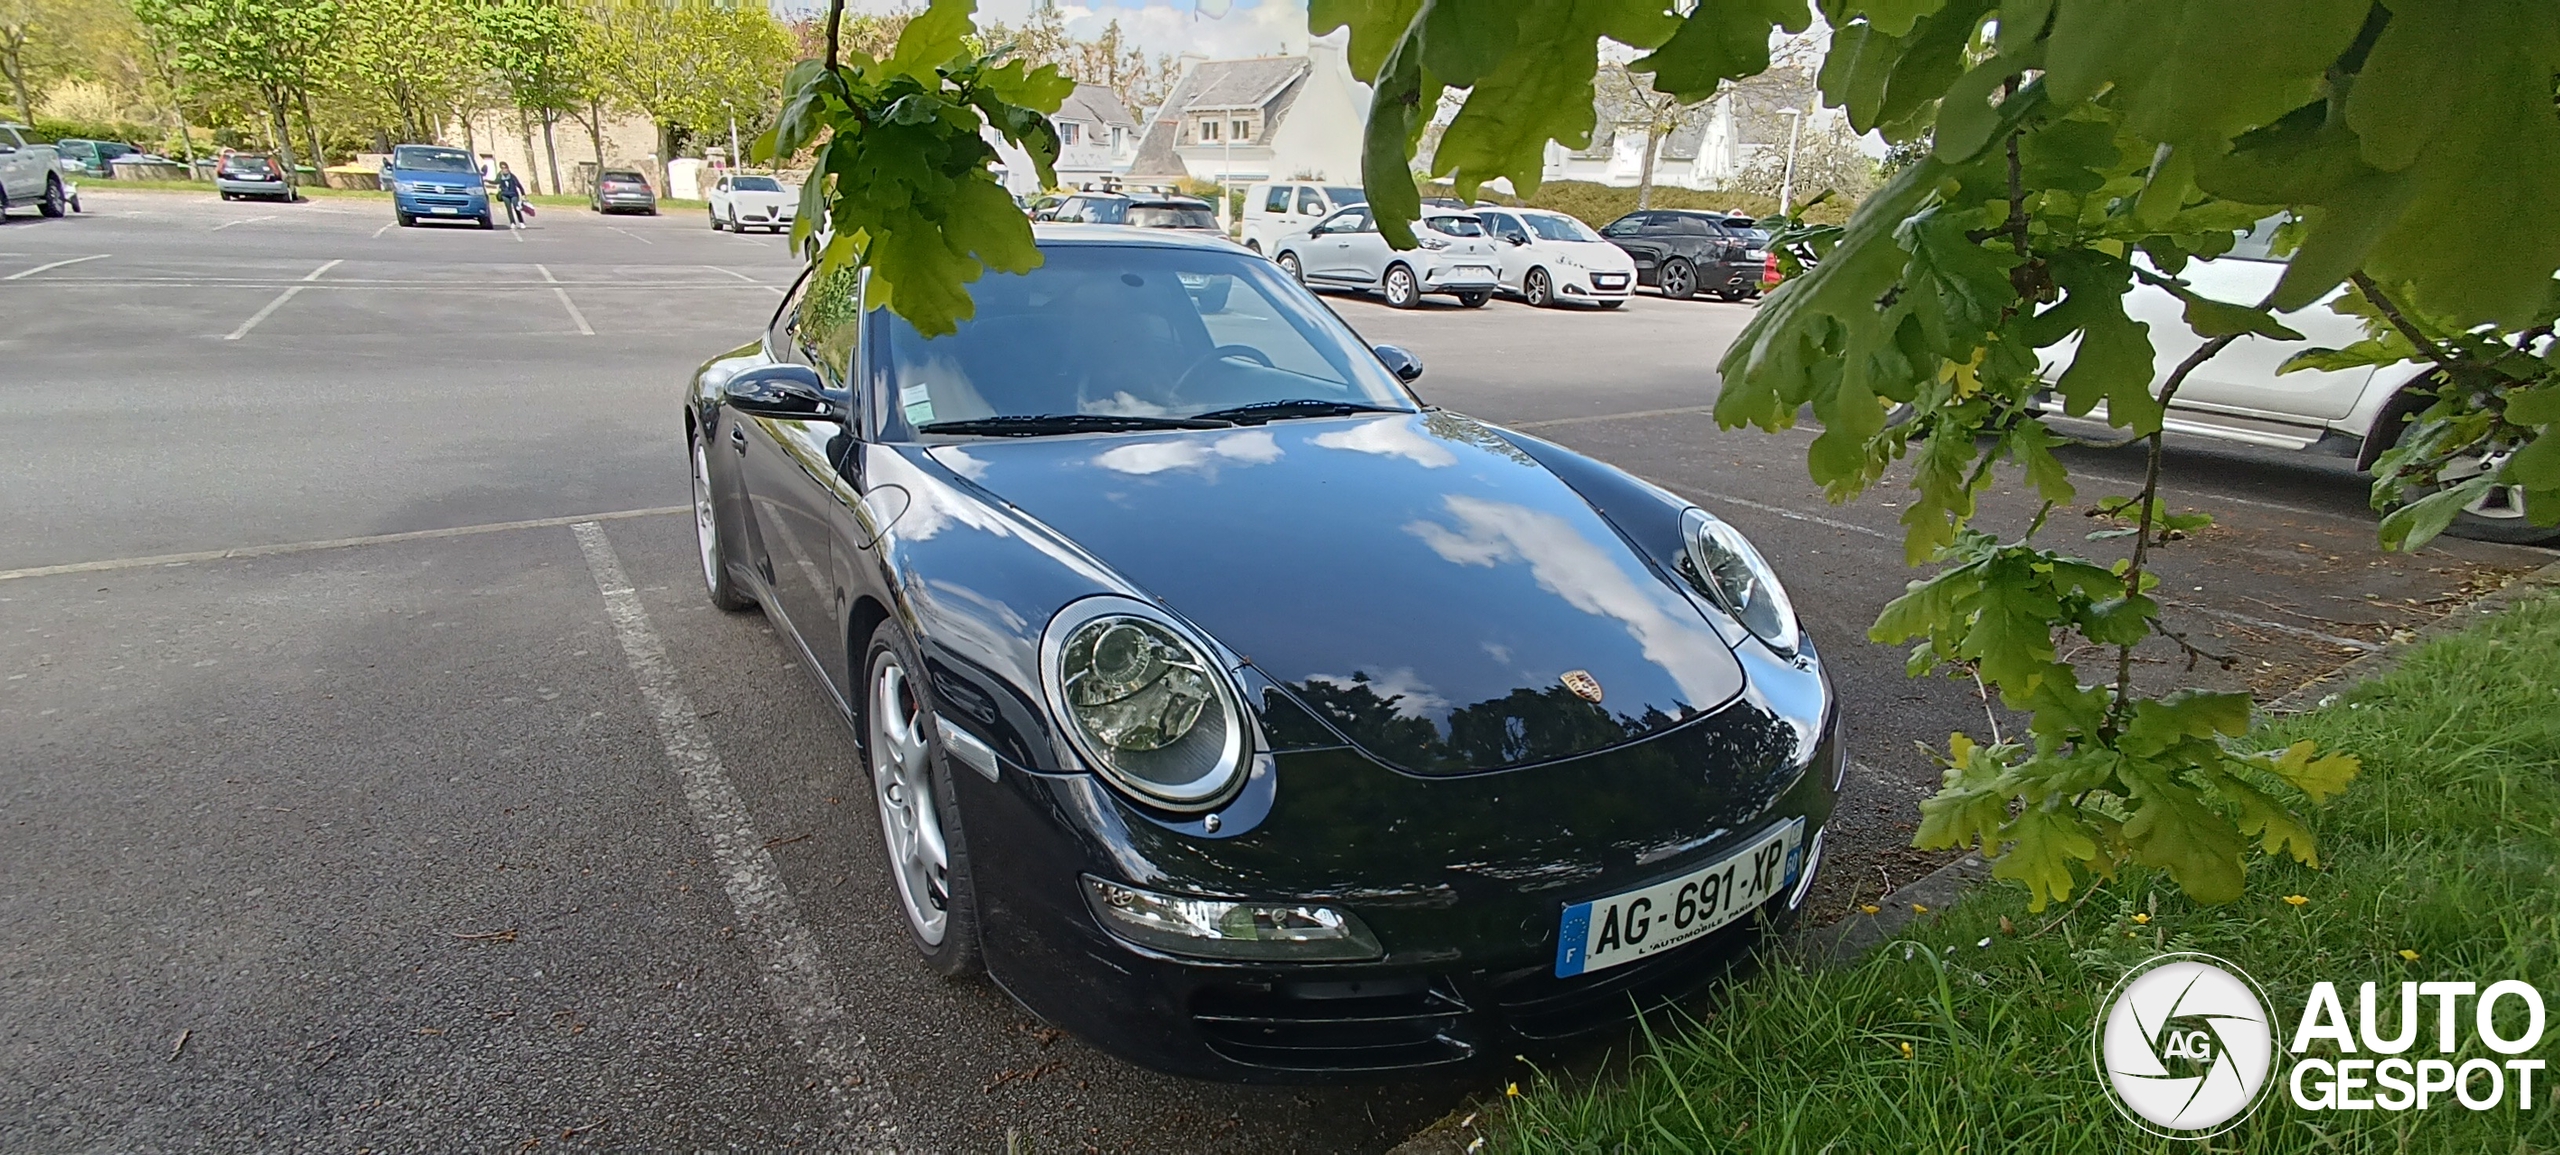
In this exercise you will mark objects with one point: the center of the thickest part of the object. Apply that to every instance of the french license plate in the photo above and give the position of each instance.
(447, 210)
(1605, 281)
(1622, 928)
(1475, 272)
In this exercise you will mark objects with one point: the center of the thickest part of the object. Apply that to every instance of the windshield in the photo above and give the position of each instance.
(1342, 195)
(1172, 217)
(416, 159)
(1131, 330)
(755, 184)
(1456, 226)
(1556, 227)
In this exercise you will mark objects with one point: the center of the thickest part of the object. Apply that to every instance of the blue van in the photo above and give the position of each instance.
(429, 181)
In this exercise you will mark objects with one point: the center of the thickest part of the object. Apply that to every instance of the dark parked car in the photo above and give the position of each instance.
(91, 157)
(1684, 252)
(260, 175)
(1238, 711)
(623, 191)
(1146, 212)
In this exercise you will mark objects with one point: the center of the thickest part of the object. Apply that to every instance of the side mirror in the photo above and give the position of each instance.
(1406, 366)
(792, 392)
(1518, 238)
(1315, 230)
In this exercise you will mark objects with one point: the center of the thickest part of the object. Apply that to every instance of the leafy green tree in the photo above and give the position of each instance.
(278, 50)
(412, 59)
(903, 181)
(689, 64)
(532, 47)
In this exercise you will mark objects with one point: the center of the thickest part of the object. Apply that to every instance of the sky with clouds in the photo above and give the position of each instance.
(1239, 28)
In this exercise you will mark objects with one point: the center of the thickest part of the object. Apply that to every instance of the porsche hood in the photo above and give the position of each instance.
(1429, 590)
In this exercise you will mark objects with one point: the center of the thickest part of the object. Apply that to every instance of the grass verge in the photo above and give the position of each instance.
(1968, 1035)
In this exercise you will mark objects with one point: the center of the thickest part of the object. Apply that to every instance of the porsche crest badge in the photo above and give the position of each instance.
(1583, 685)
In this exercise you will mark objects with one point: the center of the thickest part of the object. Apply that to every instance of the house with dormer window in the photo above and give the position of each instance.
(1097, 138)
(1262, 118)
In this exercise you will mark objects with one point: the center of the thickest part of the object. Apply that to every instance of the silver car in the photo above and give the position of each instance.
(1346, 251)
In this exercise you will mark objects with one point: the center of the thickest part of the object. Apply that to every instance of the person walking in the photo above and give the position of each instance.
(511, 191)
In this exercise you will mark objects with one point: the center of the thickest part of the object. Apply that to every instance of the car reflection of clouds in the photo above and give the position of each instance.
(1148, 457)
(1390, 437)
(1399, 688)
(957, 460)
(1589, 578)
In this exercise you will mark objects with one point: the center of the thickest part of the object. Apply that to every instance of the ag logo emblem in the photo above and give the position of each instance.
(1583, 685)
(2184, 1045)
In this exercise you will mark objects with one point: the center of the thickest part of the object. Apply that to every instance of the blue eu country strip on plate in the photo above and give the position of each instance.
(1575, 932)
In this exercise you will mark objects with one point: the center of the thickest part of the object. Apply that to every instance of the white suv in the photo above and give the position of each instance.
(2238, 395)
(1274, 209)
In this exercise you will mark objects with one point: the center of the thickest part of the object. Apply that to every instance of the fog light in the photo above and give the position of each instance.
(1220, 929)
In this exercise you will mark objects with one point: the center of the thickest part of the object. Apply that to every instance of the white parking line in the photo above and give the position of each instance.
(262, 314)
(384, 229)
(584, 329)
(1792, 515)
(324, 267)
(633, 235)
(733, 273)
(1640, 413)
(241, 221)
(291, 547)
(786, 955)
(72, 261)
(545, 270)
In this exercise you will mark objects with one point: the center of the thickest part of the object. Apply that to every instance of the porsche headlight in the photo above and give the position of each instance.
(1144, 704)
(1721, 562)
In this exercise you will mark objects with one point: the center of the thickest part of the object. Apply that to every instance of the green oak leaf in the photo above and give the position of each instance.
(2318, 775)
(2044, 843)
(2172, 829)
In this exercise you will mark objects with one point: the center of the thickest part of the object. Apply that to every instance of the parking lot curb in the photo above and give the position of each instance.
(2311, 694)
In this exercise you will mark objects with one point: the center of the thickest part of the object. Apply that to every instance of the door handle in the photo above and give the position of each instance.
(738, 437)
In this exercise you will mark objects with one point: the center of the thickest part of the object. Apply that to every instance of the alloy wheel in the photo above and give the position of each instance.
(2500, 503)
(1288, 263)
(1678, 282)
(910, 815)
(1400, 292)
(706, 526)
(51, 205)
(1538, 288)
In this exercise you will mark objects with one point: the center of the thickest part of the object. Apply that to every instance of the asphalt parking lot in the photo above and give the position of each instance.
(335, 812)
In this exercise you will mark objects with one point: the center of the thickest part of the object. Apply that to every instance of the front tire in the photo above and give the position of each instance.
(406, 220)
(708, 538)
(1288, 263)
(715, 219)
(1679, 280)
(51, 205)
(920, 829)
(1402, 292)
(1538, 289)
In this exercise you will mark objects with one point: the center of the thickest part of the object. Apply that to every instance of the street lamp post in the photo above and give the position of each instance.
(1787, 182)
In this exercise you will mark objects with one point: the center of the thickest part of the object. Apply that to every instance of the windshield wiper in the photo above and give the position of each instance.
(1261, 411)
(1041, 424)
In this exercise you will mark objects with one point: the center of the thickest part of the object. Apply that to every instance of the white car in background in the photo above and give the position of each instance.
(742, 201)
(1273, 210)
(1346, 251)
(1549, 258)
(2238, 396)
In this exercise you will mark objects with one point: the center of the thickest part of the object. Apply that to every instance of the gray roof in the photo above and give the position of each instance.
(1099, 105)
(1270, 83)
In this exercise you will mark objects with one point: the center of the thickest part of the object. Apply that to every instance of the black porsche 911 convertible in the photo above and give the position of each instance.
(1233, 708)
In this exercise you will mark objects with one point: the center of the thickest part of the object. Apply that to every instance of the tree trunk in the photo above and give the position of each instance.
(551, 152)
(524, 128)
(311, 133)
(595, 132)
(1653, 135)
(13, 60)
(283, 132)
(666, 153)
